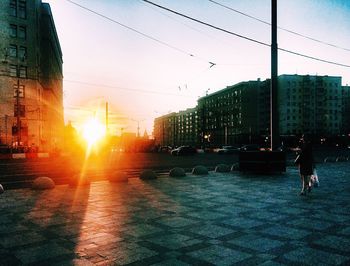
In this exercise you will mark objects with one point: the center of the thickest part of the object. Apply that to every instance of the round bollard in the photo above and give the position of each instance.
(118, 177)
(42, 183)
(222, 168)
(148, 175)
(199, 170)
(235, 167)
(177, 172)
(2, 190)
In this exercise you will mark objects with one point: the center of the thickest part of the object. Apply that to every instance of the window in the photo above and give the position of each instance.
(21, 110)
(13, 30)
(20, 91)
(22, 53)
(22, 9)
(13, 8)
(13, 50)
(23, 72)
(22, 32)
(13, 70)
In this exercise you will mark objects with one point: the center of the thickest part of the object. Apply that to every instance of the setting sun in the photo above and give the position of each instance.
(93, 131)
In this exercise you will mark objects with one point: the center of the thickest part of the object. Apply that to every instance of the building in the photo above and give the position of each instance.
(186, 127)
(31, 99)
(240, 114)
(310, 104)
(236, 114)
(164, 130)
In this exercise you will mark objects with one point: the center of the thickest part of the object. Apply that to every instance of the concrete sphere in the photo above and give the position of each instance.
(148, 175)
(177, 172)
(222, 168)
(42, 183)
(200, 170)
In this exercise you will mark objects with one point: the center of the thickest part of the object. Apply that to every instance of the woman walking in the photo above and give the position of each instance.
(305, 161)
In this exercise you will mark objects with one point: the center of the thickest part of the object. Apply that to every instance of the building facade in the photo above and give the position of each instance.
(310, 104)
(240, 114)
(31, 98)
(236, 114)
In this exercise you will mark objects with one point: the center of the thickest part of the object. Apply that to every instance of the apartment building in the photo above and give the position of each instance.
(31, 99)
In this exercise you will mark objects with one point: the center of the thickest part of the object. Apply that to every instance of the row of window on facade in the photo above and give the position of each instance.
(18, 31)
(18, 71)
(300, 83)
(17, 51)
(18, 8)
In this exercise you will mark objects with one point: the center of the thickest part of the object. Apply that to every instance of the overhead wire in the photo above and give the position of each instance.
(137, 31)
(242, 36)
(126, 89)
(281, 28)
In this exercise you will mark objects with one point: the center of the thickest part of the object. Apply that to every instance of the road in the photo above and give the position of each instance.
(19, 173)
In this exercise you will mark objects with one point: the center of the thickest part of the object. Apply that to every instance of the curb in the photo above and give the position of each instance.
(24, 155)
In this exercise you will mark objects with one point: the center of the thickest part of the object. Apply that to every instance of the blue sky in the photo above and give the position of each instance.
(142, 78)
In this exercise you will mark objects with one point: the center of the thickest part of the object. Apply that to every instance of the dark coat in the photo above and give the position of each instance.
(306, 160)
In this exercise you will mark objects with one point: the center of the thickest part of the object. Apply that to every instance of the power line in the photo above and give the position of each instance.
(137, 31)
(241, 36)
(281, 28)
(126, 89)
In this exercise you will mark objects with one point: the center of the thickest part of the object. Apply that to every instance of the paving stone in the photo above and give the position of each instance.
(311, 256)
(286, 232)
(219, 254)
(215, 219)
(260, 244)
(174, 241)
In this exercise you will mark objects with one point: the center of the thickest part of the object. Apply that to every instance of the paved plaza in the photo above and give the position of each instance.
(218, 219)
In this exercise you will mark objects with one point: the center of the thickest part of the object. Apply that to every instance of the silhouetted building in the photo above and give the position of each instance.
(236, 114)
(317, 105)
(31, 102)
(310, 104)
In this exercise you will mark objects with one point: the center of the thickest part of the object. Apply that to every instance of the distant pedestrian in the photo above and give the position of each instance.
(305, 161)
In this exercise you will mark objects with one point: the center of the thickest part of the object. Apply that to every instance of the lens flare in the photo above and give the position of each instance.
(93, 131)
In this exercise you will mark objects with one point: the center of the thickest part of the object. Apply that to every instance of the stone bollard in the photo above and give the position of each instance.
(222, 168)
(199, 170)
(118, 177)
(42, 183)
(177, 172)
(148, 175)
(235, 167)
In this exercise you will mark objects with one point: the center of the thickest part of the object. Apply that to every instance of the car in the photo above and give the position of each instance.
(183, 150)
(250, 147)
(228, 150)
(164, 149)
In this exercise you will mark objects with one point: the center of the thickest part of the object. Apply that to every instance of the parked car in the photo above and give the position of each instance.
(183, 150)
(164, 149)
(228, 150)
(250, 147)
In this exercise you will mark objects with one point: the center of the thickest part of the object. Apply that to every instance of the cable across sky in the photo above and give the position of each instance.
(243, 37)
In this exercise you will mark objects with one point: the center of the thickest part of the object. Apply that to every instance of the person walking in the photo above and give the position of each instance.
(305, 161)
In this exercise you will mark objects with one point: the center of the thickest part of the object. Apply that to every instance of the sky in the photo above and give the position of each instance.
(147, 62)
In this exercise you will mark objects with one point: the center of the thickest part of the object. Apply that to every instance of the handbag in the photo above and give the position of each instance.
(314, 178)
(297, 160)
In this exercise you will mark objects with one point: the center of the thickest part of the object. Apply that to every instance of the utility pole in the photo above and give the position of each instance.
(106, 117)
(274, 125)
(18, 114)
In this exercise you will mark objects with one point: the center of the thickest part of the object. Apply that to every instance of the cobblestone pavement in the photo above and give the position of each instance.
(221, 219)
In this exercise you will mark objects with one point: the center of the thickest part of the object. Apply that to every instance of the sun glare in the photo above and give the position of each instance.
(93, 131)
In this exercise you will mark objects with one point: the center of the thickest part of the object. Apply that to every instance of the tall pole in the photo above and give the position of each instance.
(106, 117)
(274, 126)
(18, 115)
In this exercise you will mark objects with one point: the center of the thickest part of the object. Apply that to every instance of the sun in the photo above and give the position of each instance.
(93, 131)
